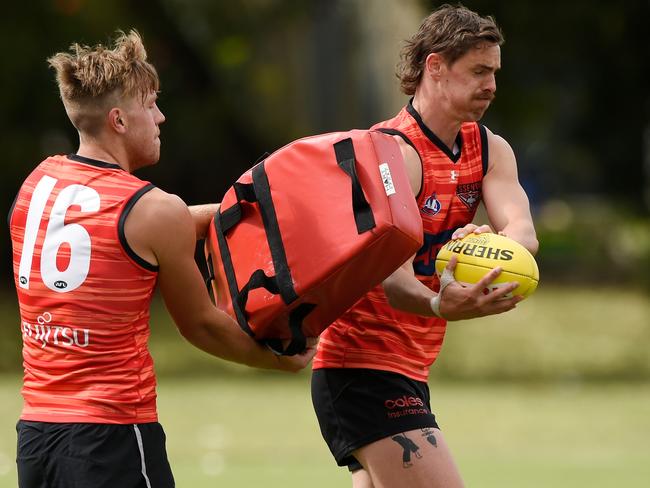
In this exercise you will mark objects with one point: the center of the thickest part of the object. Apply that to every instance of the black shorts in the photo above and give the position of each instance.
(356, 407)
(70, 455)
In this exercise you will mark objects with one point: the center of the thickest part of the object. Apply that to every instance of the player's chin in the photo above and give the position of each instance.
(154, 157)
(479, 108)
(477, 114)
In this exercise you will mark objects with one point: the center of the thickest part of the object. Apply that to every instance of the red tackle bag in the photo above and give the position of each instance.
(305, 233)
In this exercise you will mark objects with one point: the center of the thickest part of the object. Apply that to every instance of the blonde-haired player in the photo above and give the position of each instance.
(90, 242)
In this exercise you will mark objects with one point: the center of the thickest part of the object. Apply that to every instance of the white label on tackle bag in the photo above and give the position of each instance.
(387, 179)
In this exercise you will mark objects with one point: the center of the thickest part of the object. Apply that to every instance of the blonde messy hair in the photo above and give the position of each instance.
(92, 80)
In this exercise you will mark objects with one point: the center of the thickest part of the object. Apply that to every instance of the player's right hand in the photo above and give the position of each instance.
(298, 361)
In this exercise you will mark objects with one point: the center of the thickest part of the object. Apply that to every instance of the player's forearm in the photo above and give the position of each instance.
(202, 215)
(406, 293)
(234, 346)
(524, 233)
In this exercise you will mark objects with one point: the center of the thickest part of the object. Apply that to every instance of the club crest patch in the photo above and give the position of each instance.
(431, 206)
(469, 194)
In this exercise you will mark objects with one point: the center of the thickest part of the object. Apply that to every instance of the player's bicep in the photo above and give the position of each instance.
(180, 281)
(505, 199)
(412, 163)
(183, 291)
(505, 202)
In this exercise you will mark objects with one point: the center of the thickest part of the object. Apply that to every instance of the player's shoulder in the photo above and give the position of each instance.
(497, 141)
(160, 208)
(412, 162)
(157, 197)
(499, 148)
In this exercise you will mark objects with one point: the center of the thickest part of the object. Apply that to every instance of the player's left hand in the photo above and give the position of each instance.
(471, 228)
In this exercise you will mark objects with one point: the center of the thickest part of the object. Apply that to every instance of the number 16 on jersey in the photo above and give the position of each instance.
(57, 233)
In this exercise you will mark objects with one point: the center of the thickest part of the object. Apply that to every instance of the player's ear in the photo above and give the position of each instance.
(117, 120)
(433, 65)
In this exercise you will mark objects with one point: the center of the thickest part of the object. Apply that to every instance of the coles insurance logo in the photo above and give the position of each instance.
(404, 406)
(403, 402)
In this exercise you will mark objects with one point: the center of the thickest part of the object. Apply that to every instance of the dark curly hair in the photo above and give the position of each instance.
(450, 31)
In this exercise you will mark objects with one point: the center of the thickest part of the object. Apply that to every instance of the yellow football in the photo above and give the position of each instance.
(479, 253)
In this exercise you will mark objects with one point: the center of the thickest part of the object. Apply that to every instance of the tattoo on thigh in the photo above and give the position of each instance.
(429, 435)
(408, 447)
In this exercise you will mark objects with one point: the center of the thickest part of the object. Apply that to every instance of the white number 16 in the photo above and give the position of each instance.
(58, 233)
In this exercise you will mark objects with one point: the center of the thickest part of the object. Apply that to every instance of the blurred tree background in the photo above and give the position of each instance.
(243, 77)
(247, 76)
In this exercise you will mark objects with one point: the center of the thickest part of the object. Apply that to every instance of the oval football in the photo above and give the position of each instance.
(479, 253)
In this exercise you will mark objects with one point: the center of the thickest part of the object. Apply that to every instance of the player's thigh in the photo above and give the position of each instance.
(361, 479)
(418, 458)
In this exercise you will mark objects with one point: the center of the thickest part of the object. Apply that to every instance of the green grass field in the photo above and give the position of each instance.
(555, 394)
(259, 431)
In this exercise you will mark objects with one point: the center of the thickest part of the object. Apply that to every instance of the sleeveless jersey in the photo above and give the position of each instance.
(374, 335)
(83, 294)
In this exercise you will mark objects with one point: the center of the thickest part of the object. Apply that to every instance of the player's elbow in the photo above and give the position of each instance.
(532, 244)
(525, 235)
(389, 289)
(392, 294)
(191, 331)
(391, 300)
(194, 327)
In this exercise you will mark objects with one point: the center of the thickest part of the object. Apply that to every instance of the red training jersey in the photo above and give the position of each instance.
(84, 295)
(374, 335)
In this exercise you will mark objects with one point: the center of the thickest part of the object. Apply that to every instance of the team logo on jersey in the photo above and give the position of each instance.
(469, 194)
(432, 205)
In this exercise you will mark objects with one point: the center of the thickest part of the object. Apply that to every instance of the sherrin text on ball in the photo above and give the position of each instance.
(479, 253)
